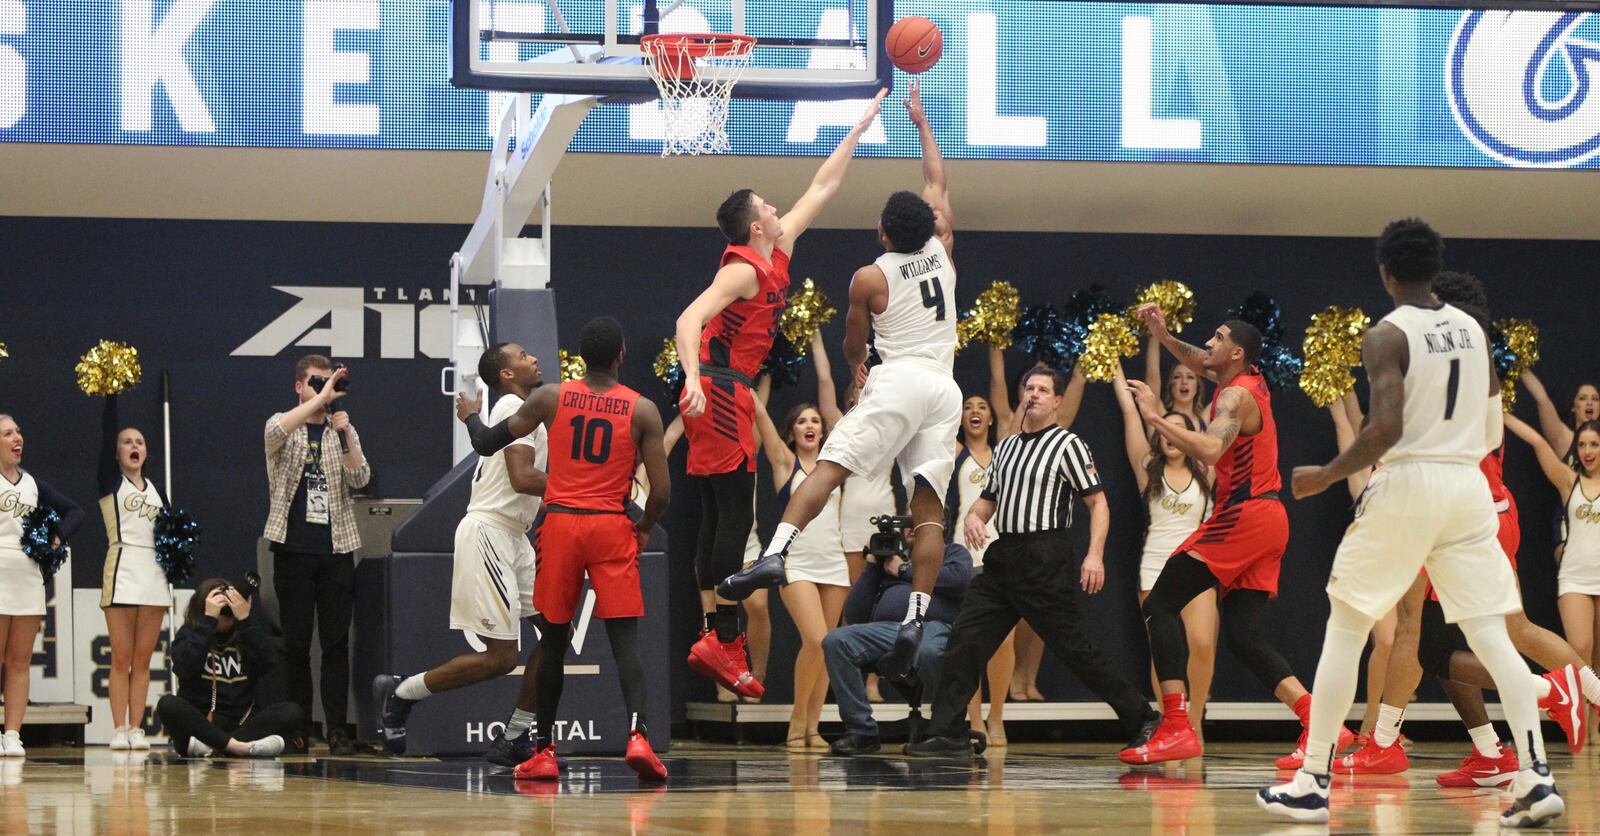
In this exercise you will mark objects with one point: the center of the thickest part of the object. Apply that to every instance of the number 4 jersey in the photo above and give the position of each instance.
(919, 322)
(592, 453)
(1446, 386)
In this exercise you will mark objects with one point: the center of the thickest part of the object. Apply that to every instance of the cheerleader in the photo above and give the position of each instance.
(1027, 650)
(1578, 557)
(967, 482)
(134, 593)
(817, 576)
(1177, 494)
(1181, 392)
(22, 593)
(1562, 436)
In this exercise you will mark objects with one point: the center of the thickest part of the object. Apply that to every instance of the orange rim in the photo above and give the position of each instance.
(673, 54)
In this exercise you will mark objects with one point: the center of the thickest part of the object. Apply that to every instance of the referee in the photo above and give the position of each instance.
(1027, 573)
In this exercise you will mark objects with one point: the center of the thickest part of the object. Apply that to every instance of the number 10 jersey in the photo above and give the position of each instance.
(919, 321)
(592, 453)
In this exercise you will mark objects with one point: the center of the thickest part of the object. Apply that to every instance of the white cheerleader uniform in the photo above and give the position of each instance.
(132, 577)
(966, 486)
(864, 497)
(817, 553)
(1580, 559)
(1174, 515)
(21, 582)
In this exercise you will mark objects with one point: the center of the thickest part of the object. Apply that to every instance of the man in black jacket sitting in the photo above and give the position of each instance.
(873, 612)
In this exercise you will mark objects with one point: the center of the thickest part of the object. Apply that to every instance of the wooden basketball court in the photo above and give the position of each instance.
(1031, 788)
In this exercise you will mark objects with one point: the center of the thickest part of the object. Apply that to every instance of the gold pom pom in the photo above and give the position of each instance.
(1332, 347)
(1522, 339)
(1175, 300)
(1110, 339)
(805, 315)
(5, 353)
(108, 369)
(992, 318)
(666, 358)
(572, 366)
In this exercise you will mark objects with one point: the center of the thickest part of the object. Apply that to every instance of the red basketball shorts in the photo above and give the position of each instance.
(1242, 544)
(723, 438)
(604, 547)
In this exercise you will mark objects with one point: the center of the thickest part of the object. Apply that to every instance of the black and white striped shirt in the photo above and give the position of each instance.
(1033, 478)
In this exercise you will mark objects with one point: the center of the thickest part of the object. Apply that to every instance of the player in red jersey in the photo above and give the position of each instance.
(599, 429)
(1237, 549)
(723, 337)
(1423, 642)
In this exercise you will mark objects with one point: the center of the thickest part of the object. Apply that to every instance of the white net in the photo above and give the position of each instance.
(695, 75)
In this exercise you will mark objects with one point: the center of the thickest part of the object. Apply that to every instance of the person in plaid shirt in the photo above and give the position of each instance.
(312, 527)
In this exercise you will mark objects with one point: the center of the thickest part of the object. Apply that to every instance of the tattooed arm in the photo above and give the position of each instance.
(1235, 410)
(1192, 356)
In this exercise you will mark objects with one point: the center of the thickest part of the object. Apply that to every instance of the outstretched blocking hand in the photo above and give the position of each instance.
(1154, 319)
(913, 104)
(873, 109)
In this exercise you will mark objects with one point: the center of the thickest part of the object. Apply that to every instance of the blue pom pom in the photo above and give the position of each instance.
(177, 540)
(1280, 368)
(39, 531)
(1262, 311)
(1501, 351)
(1046, 336)
(674, 383)
(783, 362)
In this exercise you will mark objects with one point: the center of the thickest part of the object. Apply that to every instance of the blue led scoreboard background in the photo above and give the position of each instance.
(1019, 80)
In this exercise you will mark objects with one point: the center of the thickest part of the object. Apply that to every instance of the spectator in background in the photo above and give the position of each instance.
(219, 655)
(874, 609)
(311, 524)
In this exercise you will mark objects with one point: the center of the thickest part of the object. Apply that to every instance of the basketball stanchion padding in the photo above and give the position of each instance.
(695, 74)
(914, 44)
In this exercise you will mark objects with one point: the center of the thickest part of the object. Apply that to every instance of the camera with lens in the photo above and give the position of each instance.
(317, 381)
(248, 587)
(890, 539)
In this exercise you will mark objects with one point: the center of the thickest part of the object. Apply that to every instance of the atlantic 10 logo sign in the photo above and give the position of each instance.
(1520, 85)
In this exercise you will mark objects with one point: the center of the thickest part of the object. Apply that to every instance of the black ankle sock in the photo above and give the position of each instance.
(711, 621)
(727, 622)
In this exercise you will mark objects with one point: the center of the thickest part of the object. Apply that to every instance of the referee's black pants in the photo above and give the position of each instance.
(1026, 576)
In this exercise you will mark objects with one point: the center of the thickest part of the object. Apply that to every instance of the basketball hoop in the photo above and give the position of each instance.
(695, 74)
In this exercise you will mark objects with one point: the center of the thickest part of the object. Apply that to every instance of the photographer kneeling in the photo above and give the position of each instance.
(873, 612)
(219, 655)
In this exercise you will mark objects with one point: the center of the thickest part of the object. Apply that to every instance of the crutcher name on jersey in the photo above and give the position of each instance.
(591, 402)
(912, 269)
(1445, 342)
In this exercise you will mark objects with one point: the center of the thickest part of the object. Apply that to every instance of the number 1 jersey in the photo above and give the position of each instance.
(919, 321)
(592, 453)
(1446, 386)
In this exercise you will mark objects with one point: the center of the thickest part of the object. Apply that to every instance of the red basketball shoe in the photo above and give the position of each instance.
(1565, 706)
(724, 663)
(1173, 741)
(1372, 759)
(643, 759)
(1478, 771)
(541, 767)
(1297, 758)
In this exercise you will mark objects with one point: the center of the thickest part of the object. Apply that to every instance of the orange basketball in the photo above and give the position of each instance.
(914, 44)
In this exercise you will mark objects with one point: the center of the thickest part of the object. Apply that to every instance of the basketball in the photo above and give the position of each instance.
(914, 44)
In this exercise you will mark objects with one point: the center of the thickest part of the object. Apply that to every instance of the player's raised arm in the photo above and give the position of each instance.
(647, 436)
(736, 280)
(1383, 355)
(826, 182)
(1192, 356)
(487, 441)
(1235, 410)
(935, 190)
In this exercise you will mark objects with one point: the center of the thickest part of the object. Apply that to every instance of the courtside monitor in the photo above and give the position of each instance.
(817, 51)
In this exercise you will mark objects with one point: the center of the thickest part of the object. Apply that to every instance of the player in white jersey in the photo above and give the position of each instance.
(491, 588)
(1435, 413)
(910, 406)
